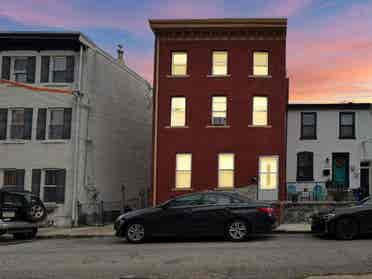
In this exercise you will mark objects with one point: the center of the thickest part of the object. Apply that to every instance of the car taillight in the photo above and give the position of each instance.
(267, 210)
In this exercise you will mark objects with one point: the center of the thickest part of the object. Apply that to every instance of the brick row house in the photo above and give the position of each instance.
(220, 100)
(75, 123)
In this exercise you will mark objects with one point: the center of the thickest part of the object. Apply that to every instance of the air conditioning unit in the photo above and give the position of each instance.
(219, 121)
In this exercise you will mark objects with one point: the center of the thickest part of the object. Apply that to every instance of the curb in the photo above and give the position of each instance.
(291, 232)
(72, 236)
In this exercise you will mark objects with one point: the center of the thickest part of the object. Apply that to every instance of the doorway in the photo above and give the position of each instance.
(364, 179)
(340, 170)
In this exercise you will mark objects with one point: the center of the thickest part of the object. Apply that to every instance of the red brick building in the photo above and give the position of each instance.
(220, 98)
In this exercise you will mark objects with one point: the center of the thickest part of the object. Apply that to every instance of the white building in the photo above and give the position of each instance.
(329, 142)
(74, 122)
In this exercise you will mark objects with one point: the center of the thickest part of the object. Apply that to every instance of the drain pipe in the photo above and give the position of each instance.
(78, 95)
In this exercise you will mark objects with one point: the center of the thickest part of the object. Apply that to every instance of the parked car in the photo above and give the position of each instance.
(19, 213)
(345, 223)
(211, 213)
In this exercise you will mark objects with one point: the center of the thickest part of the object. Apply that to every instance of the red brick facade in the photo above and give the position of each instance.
(198, 137)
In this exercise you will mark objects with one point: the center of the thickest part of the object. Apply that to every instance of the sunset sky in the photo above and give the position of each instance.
(329, 43)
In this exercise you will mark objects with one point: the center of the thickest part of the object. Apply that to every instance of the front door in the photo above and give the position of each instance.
(364, 179)
(340, 170)
(268, 178)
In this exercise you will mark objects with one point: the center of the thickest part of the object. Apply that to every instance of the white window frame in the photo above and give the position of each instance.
(260, 111)
(173, 64)
(48, 122)
(13, 72)
(44, 185)
(213, 122)
(172, 111)
(267, 66)
(10, 122)
(276, 157)
(177, 170)
(227, 62)
(233, 170)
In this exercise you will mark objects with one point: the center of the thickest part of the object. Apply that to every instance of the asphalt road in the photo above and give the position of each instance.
(276, 256)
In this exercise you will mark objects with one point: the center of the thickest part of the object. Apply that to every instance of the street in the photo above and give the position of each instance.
(275, 256)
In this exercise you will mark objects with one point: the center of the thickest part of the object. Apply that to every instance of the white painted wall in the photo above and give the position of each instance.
(328, 142)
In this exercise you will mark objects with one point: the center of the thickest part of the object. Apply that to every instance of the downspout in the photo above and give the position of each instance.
(78, 97)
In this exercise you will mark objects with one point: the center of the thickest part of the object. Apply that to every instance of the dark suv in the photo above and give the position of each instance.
(19, 213)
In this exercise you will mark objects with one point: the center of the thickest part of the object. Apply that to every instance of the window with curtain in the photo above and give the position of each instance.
(219, 63)
(178, 111)
(226, 170)
(260, 111)
(260, 63)
(179, 63)
(305, 162)
(183, 170)
(219, 110)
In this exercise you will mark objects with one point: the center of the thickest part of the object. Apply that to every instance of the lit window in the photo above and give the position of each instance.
(219, 108)
(268, 170)
(260, 63)
(179, 63)
(178, 113)
(183, 170)
(226, 170)
(219, 63)
(259, 111)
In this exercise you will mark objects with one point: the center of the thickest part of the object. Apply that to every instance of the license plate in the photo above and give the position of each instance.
(8, 214)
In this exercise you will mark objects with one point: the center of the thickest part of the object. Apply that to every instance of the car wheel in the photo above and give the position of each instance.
(37, 212)
(237, 230)
(135, 233)
(25, 235)
(346, 229)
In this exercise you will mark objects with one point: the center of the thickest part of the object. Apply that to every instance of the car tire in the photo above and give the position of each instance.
(37, 212)
(135, 232)
(237, 230)
(25, 235)
(346, 229)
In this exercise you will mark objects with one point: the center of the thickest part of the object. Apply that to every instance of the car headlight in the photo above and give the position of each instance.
(329, 216)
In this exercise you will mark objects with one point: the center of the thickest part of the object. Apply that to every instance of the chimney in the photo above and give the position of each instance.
(120, 51)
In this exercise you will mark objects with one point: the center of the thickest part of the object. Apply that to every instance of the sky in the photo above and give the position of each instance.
(329, 42)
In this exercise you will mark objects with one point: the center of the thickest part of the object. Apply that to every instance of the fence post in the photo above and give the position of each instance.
(78, 212)
(102, 213)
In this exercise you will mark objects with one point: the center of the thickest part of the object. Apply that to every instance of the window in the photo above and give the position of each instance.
(260, 105)
(20, 69)
(59, 123)
(21, 124)
(14, 178)
(183, 170)
(308, 125)
(226, 170)
(178, 113)
(56, 124)
(187, 200)
(3, 123)
(219, 60)
(54, 189)
(218, 199)
(179, 63)
(268, 172)
(260, 63)
(347, 125)
(58, 69)
(219, 111)
(305, 164)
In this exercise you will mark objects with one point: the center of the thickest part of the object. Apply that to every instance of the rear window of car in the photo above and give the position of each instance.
(188, 200)
(219, 199)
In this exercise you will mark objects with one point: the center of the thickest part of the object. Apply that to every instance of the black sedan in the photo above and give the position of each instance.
(212, 213)
(345, 223)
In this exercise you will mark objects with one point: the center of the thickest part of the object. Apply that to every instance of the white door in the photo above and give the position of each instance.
(268, 178)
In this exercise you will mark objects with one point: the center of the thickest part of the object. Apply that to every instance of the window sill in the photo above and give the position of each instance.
(177, 76)
(308, 138)
(258, 76)
(182, 189)
(347, 138)
(305, 181)
(219, 76)
(260, 126)
(176, 127)
(53, 141)
(223, 188)
(57, 84)
(217, 126)
(14, 142)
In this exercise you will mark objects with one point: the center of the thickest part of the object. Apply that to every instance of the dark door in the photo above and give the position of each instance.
(211, 217)
(364, 182)
(340, 170)
(175, 217)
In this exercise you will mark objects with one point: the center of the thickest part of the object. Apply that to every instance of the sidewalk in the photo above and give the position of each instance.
(108, 231)
(356, 276)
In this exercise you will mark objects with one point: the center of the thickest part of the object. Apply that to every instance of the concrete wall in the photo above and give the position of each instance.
(118, 145)
(328, 142)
